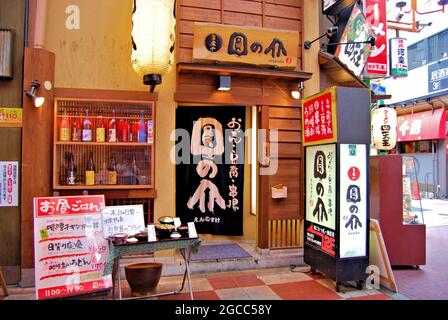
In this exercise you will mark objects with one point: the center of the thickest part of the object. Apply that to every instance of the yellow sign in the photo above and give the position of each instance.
(245, 45)
(11, 115)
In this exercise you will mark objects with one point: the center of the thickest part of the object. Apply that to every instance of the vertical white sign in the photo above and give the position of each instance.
(353, 200)
(9, 184)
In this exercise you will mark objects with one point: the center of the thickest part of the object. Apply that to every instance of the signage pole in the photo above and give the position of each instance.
(336, 137)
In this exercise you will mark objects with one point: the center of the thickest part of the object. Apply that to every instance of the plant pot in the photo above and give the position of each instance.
(143, 278)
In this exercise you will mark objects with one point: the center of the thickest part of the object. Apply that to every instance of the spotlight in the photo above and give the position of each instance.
(296, 94)
(37, 101)
(225, 83)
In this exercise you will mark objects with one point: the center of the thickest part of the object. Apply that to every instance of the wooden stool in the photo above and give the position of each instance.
(3, 283)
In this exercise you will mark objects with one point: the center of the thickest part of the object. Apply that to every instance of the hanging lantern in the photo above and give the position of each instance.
(384, 128)
(153, 24)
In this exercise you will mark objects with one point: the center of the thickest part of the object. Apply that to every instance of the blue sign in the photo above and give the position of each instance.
(438, 76)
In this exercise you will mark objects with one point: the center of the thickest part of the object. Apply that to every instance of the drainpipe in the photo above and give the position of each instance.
(38, 11)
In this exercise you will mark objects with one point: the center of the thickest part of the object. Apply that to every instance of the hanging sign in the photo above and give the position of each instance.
(384, 128)
(70, 252)
(11, 115)
(398, 57)
(377, 61)
(354, 54)
(210, 173)
(9, 183)
(334, 7)
(353, 200)
(319, 117)
(320, 184)
(122, 219)
(245, 45)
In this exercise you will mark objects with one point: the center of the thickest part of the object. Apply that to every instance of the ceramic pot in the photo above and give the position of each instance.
(143, 278)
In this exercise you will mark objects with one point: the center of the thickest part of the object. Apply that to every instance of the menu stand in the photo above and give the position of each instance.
(3, 283)
(117, 252)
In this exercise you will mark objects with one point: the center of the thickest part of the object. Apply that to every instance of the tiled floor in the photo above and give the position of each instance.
(264, 284)
(430, 281)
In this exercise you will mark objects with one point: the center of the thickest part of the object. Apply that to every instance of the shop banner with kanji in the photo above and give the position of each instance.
(210, 169)
(352, 52)
(9, 183)
(353, 200)
(319, 118)
(376, 15)
(70, 251)
(320, 184)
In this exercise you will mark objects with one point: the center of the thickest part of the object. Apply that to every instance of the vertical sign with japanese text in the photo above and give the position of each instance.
(9, 183)
(376, 15)
(319, 118)
(353, 200)
(70, 252)
(320, 224)
(398, 57)
(353, 52)
(210, 177)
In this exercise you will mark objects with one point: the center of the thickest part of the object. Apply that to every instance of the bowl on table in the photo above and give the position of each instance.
(183, 230)
(119, 238)
(163, 231)
(142, 236)
(166, 220)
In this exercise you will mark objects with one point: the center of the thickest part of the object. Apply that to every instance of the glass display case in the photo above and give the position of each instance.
(412, 206)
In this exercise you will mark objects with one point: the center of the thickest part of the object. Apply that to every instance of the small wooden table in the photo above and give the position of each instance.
(116, 252)
(3, 283)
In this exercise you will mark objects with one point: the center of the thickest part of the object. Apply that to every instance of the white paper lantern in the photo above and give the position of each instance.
(384, 128)
(152, 39)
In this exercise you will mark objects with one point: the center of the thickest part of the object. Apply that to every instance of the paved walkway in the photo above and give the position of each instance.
(263, 284)
(431, 281)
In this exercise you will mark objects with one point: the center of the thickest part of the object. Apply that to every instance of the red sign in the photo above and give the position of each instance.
(322, 238)
(422, 126)
(319, 118)
(68, 205)
(376, 15)
(354, 173)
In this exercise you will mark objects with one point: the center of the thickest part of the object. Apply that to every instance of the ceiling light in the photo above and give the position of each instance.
(225, 83)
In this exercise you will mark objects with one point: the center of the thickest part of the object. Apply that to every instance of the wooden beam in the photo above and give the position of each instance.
(71, 93)
(3, 283)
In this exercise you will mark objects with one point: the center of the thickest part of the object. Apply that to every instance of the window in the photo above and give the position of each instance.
(438, 46)
(424, 146)
(417, 55)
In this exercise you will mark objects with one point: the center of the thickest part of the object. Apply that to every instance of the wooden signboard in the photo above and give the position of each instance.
(11, 117)
(245, 45)
(70, 252)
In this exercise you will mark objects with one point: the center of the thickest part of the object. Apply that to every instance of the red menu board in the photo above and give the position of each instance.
(319, 123)
(70, 251)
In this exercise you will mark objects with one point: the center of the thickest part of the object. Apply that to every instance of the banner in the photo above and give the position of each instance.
(376, 16)
(353, 200)
(9, 184)
(320, 197)
(70, 252)
(398, 57)
(210, 168)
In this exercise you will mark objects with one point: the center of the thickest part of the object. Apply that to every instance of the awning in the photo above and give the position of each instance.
(422, 126)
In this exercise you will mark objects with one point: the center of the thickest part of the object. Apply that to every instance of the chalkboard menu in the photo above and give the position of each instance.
(70, 251)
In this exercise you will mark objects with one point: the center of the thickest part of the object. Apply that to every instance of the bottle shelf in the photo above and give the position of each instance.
(110, 144)
(102, 187)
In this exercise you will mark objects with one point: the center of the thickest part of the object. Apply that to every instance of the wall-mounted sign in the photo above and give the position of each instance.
(245, 45)
(9, 184)
(354, 54)
(422, 126)
(353, 200)
(122, 219)
(375, 11)
(319, 118)
(70, 252)
(398, 57)
(333, 7)
(11, 115)
(438, 76)
(320, 197)
(384, 128)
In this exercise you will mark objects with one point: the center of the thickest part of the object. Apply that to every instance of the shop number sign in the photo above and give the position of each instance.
(321, 197)
(70, 252)
(319, 118)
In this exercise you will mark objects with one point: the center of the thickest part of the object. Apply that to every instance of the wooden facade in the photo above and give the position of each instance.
(279, 221)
